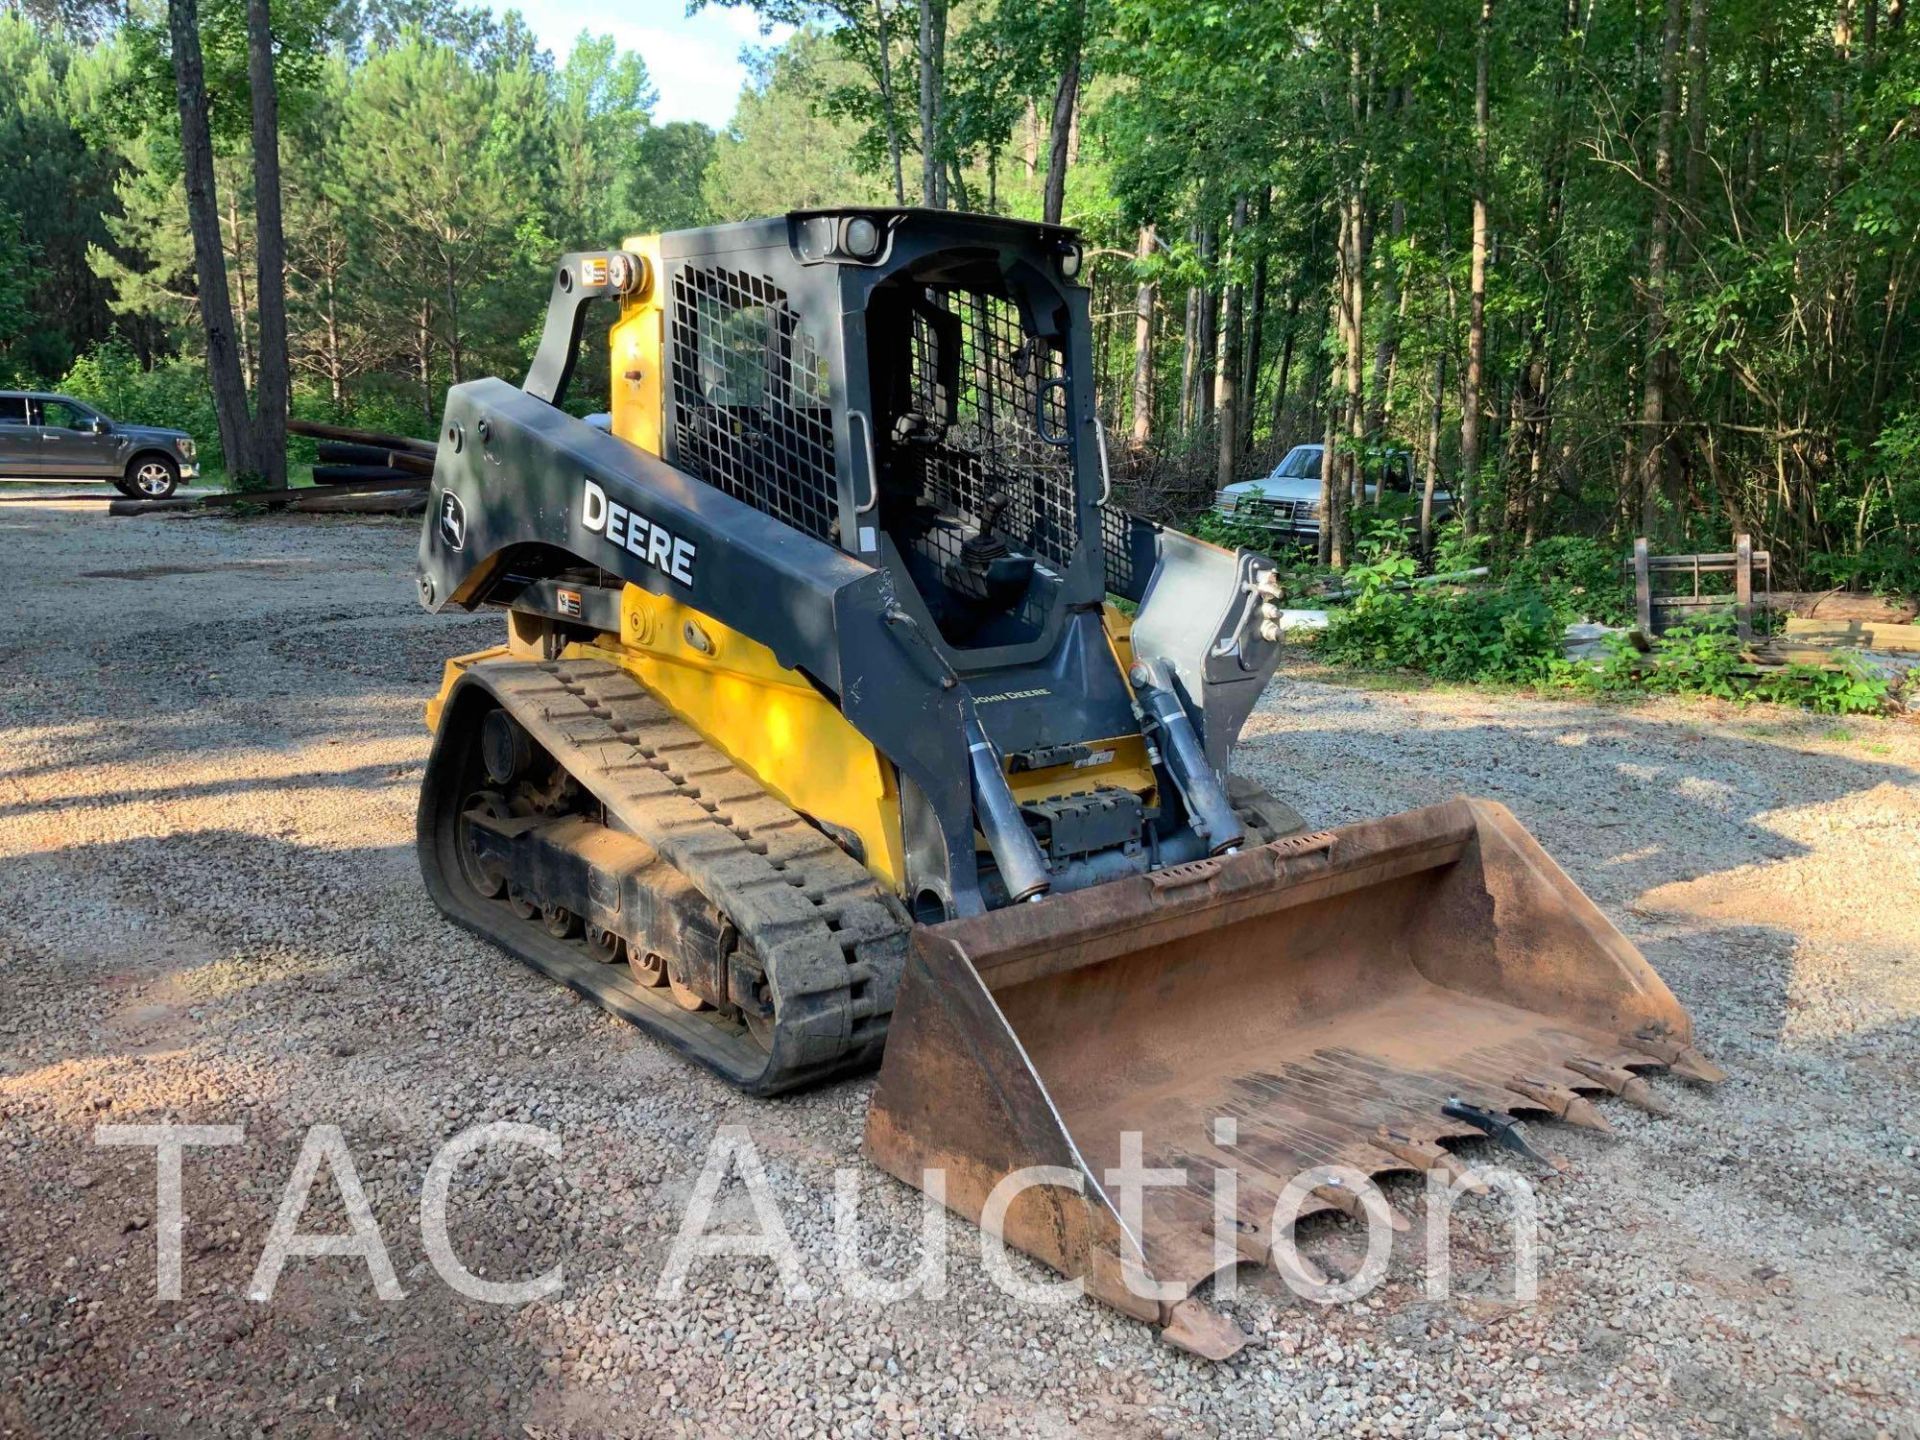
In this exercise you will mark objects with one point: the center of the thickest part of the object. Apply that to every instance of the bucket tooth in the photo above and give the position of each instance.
(1503, 1130)
(1427, 1155)
(1622, 1082)
(1201, 1330)
(1561, 1102)
(1261, 1187)
(1287, 1260)
(1348, 1202)
(1682, 1059)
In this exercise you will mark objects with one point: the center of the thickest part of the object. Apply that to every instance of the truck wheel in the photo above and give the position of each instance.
(152, 477)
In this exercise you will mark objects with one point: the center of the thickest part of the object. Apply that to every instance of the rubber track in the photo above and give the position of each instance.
(832, 939)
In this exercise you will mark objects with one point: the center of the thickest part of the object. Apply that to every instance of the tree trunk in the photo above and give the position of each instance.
(1356, 372)
(1697, 108)
(940, 103)
(1387, 350)
(1189, 359)
(1432, 478)
(423, 337)
(888, 101)
(209, 258)
(1332, 490)
(929, 124)
(1255, 323)
(275, 388)
(241, 316)
(1317, 373)
(1143, 346)
(1227, 399)
(455, 367)
(1477, 275)
(1065, 96)
(1653, 393)
(1287, 342)
(336, 377)
(1208, 339)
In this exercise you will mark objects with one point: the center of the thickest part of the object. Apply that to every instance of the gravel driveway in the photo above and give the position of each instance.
(210, 741)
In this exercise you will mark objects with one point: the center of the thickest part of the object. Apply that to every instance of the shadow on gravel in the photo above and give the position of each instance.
(362, 777)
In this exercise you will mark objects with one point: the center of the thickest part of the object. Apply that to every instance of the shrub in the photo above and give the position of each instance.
(1508, 634)
(1705, 659)
(1581, 578)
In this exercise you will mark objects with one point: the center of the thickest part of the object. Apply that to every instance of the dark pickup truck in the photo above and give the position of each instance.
(53, 437)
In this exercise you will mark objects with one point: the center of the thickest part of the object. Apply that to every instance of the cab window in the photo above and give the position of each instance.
(13, 409)
(65, 415)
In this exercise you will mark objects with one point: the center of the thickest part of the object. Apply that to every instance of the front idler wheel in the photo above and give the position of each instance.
(760, 1022)
(487, 876)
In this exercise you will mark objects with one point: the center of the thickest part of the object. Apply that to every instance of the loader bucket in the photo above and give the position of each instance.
(1350, 998)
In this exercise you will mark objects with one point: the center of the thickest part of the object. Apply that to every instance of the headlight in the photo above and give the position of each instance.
(1071, 258)
(188, 449)
(1223, 501)
(861, 238)
(1307, 509)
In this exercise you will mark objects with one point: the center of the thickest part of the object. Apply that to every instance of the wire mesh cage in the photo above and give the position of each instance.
(1116, 544)
(993, 400)
(752, 401)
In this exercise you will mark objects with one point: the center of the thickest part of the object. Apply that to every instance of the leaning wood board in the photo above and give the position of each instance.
(1855, 634)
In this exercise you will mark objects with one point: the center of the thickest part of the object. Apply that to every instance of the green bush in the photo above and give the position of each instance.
(1886, 567)
(1581, 578)
(1705, 659)
(1508, 634)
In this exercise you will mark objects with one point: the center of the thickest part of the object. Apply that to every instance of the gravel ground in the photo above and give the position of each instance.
(211, 737)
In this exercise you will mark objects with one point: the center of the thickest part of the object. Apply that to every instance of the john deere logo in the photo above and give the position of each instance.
(453, 521)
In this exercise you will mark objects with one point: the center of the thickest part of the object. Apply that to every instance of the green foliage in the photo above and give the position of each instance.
(54, 180)
(437, 159)
(663, 186)
(1582, 579)
(1237, 534)
(1454, 550)
(783, 150)
(1509, 635)
(1705, 659)
(16, 262)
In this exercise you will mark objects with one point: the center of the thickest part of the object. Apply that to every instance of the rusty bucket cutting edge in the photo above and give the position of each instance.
(1327, 995)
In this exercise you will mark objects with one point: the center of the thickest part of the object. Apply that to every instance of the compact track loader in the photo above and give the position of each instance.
(840, 712)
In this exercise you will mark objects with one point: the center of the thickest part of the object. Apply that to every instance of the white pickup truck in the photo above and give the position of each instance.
(1288, 500)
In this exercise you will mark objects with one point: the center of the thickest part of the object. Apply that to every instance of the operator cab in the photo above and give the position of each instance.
(973, 443)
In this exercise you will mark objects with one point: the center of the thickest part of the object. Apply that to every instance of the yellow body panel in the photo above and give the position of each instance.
(450, 674)
(1119, 628)
(1127, 770)
(638, 341)
(765, 717)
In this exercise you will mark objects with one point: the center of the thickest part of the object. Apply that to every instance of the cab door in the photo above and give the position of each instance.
(68, 442)
(19, 441)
